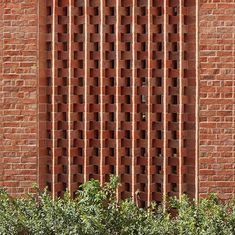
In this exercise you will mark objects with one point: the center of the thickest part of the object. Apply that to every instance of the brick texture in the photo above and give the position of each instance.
(18, 97)
(117, 98)
(217, 85)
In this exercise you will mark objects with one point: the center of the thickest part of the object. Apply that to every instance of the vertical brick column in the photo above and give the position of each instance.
(216, 120)
(172, 89)
(142, 83)
(189, 101)
(78, 91)
(18, 97)
(110, 84)
(94, 95)
(117, 93)
(45, 137)
(124, 87)
(156, 84)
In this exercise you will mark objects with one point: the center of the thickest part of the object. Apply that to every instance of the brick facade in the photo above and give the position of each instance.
(18, 97)
(217, 97)
(66, 118)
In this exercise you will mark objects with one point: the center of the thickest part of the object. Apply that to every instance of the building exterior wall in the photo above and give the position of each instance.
(217, 97)
(86, 97)
(18, 97)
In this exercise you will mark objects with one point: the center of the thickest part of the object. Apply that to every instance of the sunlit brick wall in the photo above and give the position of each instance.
(217, 98)
(143, 89)
(18, 95)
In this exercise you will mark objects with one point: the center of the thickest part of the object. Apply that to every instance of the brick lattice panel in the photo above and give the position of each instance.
(119, 96)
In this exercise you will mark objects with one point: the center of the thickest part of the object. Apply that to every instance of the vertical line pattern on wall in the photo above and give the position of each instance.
(197, 106)
(147, 42)
(101, 93)
(117, 93)
(149, 104)
(69, 95)
(165, 103)
(85, 81)
(133, 99)
(180, 93)
(53, 95)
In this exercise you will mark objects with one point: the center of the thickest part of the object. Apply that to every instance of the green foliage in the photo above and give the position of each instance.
(95, 211)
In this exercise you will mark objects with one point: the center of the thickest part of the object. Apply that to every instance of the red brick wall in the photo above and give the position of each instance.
(217, 132)
(18, 94)
(19, 83)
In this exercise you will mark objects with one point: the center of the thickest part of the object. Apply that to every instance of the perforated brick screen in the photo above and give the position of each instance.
(118, 96)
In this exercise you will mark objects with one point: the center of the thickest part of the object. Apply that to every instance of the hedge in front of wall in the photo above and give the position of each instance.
(95, 210)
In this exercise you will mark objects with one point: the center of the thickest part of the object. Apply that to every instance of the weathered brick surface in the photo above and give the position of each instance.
(18, 97)
(217, 132)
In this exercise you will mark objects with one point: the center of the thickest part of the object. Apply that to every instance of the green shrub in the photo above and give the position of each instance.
(95, 210)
